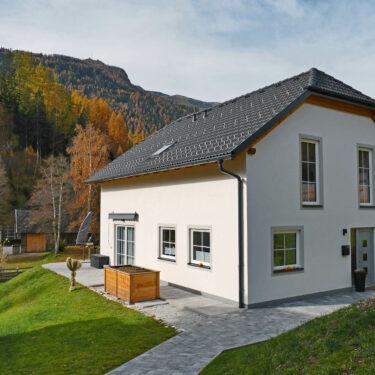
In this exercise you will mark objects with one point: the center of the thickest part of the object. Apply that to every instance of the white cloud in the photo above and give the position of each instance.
(209, 50)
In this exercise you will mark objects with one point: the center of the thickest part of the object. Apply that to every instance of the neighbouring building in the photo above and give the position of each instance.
(38, 237)
(265, 197)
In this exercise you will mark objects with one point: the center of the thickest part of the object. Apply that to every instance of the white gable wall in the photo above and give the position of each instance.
(198, 197)
(274, 201)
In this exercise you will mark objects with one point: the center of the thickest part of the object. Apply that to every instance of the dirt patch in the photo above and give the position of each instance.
(367, 304)
(132, 269)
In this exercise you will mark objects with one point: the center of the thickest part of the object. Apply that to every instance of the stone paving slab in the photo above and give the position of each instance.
(190, 351)
(199, 304)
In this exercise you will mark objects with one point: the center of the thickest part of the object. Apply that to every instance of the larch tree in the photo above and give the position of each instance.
(99, 113)
(5, 217)
(49, 196)
(88, 153)
(118, 134)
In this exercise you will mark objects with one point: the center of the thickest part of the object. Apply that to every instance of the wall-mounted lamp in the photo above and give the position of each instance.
(252, 151)
(344, 232)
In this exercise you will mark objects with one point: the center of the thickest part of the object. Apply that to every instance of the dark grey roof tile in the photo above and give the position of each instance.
(217, 132)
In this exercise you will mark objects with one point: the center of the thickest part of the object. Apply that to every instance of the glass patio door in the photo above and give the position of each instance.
(124, 244)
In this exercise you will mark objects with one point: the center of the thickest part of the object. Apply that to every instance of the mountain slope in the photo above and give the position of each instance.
(141, 109)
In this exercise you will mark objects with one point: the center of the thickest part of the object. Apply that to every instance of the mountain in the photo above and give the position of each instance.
(184, 100)
(142, 109)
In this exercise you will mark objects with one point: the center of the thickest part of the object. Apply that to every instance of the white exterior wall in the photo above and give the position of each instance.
(274, 200)
(200, 197)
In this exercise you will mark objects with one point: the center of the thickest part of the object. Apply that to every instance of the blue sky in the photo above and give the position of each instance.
(209, 50)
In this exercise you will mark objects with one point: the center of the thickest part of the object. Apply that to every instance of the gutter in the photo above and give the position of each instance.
(240, 233)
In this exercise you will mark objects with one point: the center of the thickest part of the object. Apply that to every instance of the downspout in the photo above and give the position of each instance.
(240, 233)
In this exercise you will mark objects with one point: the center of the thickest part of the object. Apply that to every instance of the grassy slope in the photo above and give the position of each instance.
(44, 329)
(340, 343)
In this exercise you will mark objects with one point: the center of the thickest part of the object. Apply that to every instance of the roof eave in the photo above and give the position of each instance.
(213, 159)
(343, 98)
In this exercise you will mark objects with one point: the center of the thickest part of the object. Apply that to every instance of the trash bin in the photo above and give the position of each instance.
(360, 279)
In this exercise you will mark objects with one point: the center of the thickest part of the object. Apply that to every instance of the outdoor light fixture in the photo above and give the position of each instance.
(344, 232)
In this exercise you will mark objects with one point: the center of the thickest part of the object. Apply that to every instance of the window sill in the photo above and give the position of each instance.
(288, 270)
(366, 206)
(198, 266)
(167, 259)
(318, 205)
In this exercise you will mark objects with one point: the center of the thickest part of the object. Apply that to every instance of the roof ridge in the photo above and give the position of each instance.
(314, 77)
(261, 89)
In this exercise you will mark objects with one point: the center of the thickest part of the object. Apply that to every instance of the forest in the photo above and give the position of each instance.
(54, 135)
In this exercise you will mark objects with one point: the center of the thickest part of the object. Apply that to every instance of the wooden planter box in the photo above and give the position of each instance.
(132, 283)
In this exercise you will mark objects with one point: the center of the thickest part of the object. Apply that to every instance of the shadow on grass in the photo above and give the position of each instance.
(83, 347)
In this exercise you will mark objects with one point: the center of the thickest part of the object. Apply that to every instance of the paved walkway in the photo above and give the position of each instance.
(190, 351)
(209, 326)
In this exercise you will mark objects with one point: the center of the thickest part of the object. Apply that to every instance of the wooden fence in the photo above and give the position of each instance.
(8, 273)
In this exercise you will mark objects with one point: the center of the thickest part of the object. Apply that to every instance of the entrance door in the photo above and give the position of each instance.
(124, 244)
(365, 253)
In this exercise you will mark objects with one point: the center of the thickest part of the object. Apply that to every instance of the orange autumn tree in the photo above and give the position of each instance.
(118, 134)
(100, 113)
(88, 153)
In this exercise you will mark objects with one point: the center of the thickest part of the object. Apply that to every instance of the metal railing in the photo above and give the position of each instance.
(8, 273)
(7, 231)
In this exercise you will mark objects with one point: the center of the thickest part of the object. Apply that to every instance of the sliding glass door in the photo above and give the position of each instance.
(124, 244)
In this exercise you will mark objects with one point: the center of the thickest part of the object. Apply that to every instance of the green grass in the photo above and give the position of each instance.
(339, 343)
(44, 329)
(31, 260)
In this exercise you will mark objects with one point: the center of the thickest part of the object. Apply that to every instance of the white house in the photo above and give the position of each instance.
(265, 197)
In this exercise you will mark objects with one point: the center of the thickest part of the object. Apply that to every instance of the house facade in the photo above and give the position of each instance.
(266, 197)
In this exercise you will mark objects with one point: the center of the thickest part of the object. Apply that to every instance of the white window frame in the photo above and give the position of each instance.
(317, 143)
(297, 232)
(191, 246)
(161, 255)
(125, 226)
(370, 156)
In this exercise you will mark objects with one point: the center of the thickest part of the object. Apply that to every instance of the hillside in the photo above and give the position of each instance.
(149, 111)
(47, 330)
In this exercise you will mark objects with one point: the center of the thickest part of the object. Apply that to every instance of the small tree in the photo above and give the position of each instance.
(50, 195)
(74, 265)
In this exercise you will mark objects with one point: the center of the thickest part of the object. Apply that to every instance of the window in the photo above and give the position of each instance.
(365, 176)
(310, 172)
(124, 244)
(200, 247)
(168, 243)
(162, 149)
(286, 250)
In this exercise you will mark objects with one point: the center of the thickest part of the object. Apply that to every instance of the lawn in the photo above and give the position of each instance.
(36, 259)
(44, 329)
(339, 343)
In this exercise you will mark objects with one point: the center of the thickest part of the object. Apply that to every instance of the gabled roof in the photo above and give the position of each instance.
(226, 129)
(25, 223)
